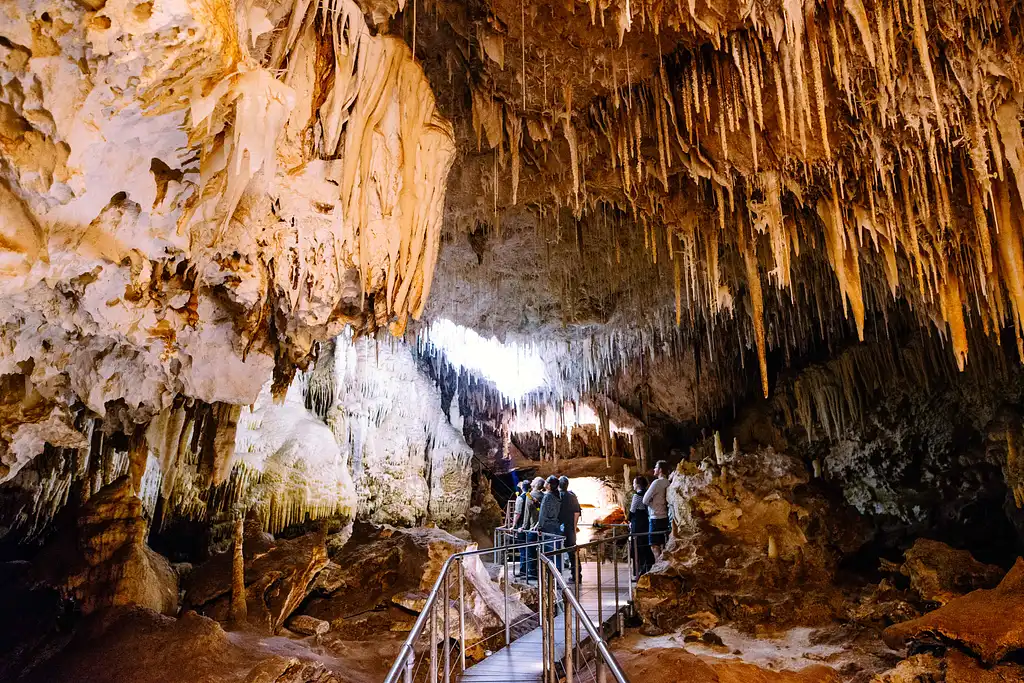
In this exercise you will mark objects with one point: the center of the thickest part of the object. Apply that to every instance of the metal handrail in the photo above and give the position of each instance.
(553, 582)
(572, 604)
(404, 662)
(544, 537)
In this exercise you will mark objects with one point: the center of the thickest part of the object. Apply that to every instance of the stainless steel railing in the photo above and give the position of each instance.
(582, 659)
(505, 537)
(587, 659)
(405, 667)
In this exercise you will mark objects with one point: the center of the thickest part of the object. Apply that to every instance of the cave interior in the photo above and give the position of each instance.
(295, 293)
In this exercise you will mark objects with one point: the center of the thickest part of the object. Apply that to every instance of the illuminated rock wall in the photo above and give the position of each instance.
(190, 197)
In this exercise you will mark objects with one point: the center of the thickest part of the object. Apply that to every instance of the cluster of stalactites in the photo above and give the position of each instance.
(182, 460)
(827, 399)
(352, 148)
(857, 134)
(582, 368)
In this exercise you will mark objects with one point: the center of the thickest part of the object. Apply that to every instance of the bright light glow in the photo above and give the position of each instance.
(516, 370)
(598, 499)
(561, 419)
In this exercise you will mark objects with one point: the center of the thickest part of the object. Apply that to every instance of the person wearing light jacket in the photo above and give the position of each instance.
(656, 500)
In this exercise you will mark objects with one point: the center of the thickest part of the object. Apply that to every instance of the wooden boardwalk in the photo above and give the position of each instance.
(520, 662)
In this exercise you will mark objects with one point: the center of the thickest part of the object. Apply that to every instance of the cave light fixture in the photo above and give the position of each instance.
(515, 369)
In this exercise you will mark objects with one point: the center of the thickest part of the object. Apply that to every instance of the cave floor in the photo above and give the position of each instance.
(520, 662)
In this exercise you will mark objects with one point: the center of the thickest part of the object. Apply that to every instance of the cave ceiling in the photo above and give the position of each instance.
(194, 194)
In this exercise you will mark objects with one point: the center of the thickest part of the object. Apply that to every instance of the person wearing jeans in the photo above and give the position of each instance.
(531, 513)
(656, 500)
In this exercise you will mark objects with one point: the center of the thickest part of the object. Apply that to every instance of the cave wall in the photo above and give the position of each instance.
(182, 216)
(915, 445)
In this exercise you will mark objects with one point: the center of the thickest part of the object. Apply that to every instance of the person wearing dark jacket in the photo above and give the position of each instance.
(531, 513)
(569, 516)
(550, 506)
(519, 522)
(643, 558)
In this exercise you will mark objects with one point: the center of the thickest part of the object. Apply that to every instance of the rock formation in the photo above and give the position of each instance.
(277, 578)
(105, 561)
(939, 573)
(980, 621)
(175, 197)
(752, 543)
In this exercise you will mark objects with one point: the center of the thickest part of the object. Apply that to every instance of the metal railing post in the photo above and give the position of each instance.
(552, 609)
(544, 635)
(447, 632)
(600, 601)
(568, 640)
(540, 553)
(409, 667)
(433, 641)
(615, 565)
(462, 616)
(504, 565)
(577, 588)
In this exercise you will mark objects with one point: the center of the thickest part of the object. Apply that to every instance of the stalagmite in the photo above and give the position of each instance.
(238, 593)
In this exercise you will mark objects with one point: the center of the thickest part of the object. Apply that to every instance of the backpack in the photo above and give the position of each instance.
(531, 511)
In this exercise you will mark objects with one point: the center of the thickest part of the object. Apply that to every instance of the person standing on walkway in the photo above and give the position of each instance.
(639, 523)
(531, 515)
(518, 519)
(550, 506)
(569, 515)
(656, 500)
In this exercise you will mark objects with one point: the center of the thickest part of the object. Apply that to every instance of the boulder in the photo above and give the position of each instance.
(984, 622)
(278, 577)
(306, 625)
(939, 573)
(104, 561)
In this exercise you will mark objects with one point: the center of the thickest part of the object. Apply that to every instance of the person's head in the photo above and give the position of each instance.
(563, 483)
(537, 485)
(640, 484)
(524, 486)
(552, 484)
(661, 469)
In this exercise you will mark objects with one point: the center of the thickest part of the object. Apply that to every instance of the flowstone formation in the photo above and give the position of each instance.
(193, 193)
